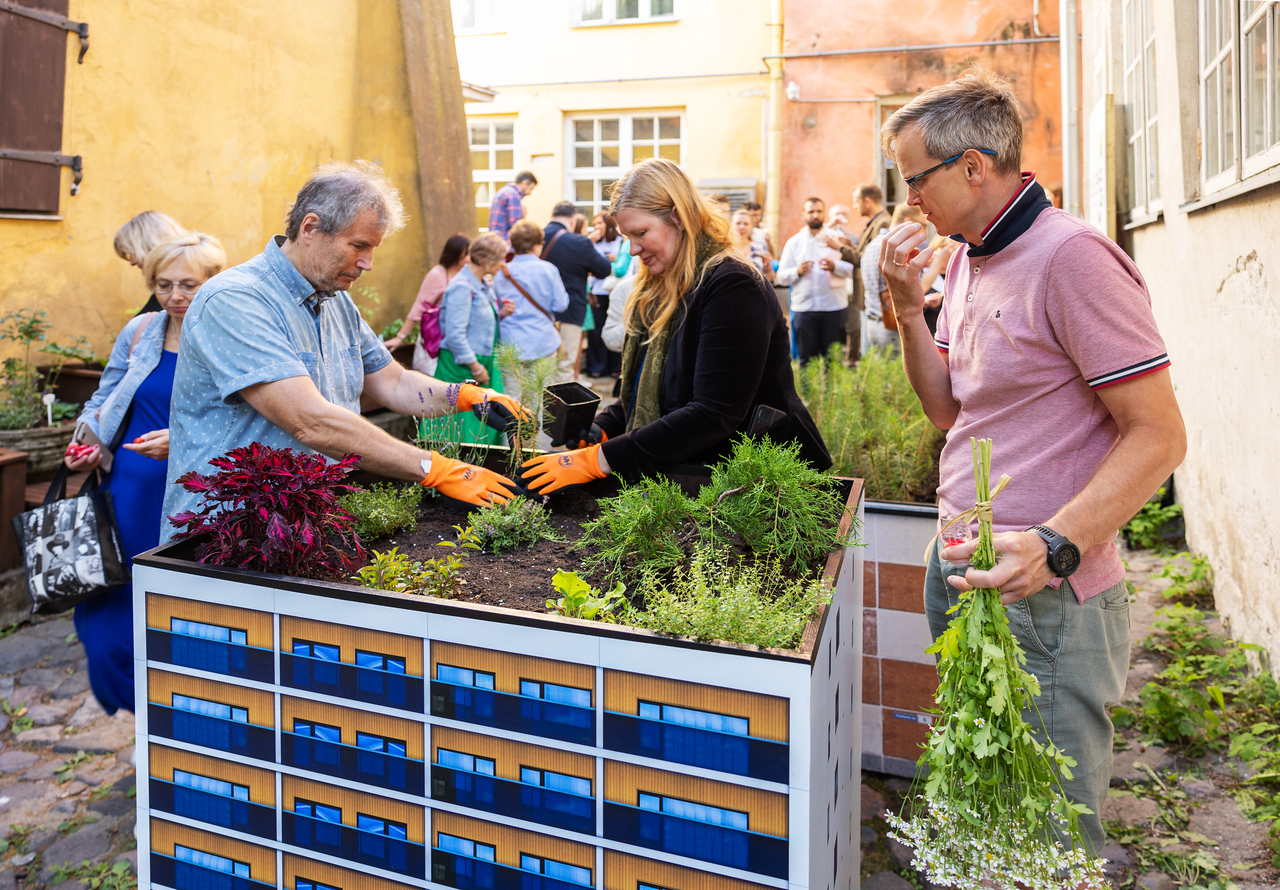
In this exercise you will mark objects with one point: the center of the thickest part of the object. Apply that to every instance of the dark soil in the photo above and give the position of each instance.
(517, 579)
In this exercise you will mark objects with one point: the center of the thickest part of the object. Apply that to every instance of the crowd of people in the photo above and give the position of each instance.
(1015, 321)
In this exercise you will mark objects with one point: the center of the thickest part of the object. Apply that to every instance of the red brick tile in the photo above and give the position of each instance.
(870, 681)
(906, 685)
(903, 738)
(901, 587)
(869, 584)
(870, 633)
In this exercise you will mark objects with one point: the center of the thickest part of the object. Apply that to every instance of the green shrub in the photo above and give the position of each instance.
(1192, 580)
(874, 426)
(507, 526)
(714, 598)
(398, 573)
(638, 528)
(383, 508)
(1154, 525)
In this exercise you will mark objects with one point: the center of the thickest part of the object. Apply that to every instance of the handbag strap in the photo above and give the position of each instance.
(58, 487)
(552, 243)
(527, 295)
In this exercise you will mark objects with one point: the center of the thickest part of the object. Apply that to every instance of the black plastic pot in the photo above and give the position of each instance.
(572, 407)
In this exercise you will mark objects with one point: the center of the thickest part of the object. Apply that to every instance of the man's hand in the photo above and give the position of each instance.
(479, 373)
(470, 395)
(803, 268)
(835, 242)
(1021, 569)
(552, 472)
(827, 265)
(903, 255)
(154, 444)
(463, 482)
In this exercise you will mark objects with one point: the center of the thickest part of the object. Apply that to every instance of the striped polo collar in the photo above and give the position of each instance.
(1013, 219)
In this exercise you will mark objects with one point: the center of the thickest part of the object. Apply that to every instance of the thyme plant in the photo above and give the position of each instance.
(382, 508)
(995, 811)
(520, 521)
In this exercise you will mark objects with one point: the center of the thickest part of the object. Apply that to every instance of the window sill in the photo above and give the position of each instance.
(480, 32)
(1235, 190)
(1146, 219)
(626, 23)
(34, 217)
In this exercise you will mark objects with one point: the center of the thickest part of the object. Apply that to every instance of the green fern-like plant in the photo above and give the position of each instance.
(641, 527)
(383, 508)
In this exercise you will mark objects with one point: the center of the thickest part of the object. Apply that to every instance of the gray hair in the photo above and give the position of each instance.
(979, 110)
(337, 193)
(488, 248)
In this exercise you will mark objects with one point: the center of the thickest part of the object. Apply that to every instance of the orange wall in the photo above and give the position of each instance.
(828, 148)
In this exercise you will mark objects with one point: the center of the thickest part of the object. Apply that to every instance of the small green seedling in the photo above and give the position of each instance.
(578, 599)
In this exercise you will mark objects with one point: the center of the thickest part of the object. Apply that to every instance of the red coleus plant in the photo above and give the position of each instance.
(274, 510)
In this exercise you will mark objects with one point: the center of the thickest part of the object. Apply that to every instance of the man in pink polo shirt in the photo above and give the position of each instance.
(1047, 345)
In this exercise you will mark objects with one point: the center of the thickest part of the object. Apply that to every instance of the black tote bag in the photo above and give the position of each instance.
(71, 546)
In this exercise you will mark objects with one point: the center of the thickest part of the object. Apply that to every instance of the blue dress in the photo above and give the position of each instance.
(137, 484)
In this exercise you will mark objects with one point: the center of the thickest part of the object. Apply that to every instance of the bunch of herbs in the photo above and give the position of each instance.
(639, 529)
(506, 526)
(396, 572)
(21, 388)
(382, 508)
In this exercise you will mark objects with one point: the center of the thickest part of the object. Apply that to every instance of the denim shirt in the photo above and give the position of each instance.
(106, 410)
(251, 324)
(468, 317)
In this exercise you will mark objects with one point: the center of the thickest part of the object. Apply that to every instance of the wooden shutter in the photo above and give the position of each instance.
(33, 74)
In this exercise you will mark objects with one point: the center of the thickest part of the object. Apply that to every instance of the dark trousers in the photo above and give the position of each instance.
(599, 361)
(817, 331)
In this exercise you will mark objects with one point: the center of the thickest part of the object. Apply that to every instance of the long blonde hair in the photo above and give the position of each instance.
(659, 187)
(136, 238)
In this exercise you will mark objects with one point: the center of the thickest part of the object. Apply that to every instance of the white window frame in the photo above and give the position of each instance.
(609, 13)
(1267, 18)
(494, 177)
(1141, 117)
(486, 17)
(626, 144)
(1228, 118)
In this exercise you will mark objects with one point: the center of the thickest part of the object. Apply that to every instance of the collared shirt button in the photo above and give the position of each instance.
(969, 298)
(977, 269)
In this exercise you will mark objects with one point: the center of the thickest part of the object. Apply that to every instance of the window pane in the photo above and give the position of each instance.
(1149, 75)
(662, 7)
(608, 156)
(326, 653)
(484, 680)
(482, 197)
(1228, 117)
(567, 695)
(484, 766)
(485, 852)
(1212, 164)
(504, 160)
(504, 134)
(531, 689)
(1254, 93)
(530, 776)
(480, 135)
(1139, 174)
(1153, 165)
(447, 672)
(640, 152)
(650, 711)
(454, 759)
(642, 128)
(451, 844)
(609, 130)
(606, 193)
(1210, 29)
(584, 131)
(669, 153)
(530, 863)
(628, 9)
(668, 128)
(480, 160)
(482, 217)
(584, 158)
(592, 10)
(584, 190)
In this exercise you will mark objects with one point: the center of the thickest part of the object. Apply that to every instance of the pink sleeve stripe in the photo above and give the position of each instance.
(1141, 369)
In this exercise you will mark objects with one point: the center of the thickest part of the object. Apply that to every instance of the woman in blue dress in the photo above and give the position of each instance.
(130, 414)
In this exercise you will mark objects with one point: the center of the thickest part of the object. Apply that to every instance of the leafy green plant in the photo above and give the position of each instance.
(18, 719)
(526, 380)
(578, 599)
(97, 876)
(468, 539)
(65, 411)
(79, 348)
(20, 384)
(1148, 529)
(718, 597)
(392, 329)
(517, 522)
(67, 771)
(382, 508)
(873, 425)
(1192, 580)
(767, 499)
(646, 525)
(17, 840)
(398, 573)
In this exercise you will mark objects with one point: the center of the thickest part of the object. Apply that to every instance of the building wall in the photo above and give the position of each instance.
(509, 756)
(508, 670)
(766, 810)
(256, 625)
(260, 782)
(352, 721)
(322, 872)
(509, 843)
(353, 803)
(261, 860)
(766, 715)
(214, 114)
(829, 147)
(351, 639)
(161, 685)
(706, 64)
(1212, 274)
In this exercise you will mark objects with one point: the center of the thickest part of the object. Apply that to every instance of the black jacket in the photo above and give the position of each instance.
(730, 354)
(576, 257)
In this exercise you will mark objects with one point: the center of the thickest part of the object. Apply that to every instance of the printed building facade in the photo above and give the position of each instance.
(334, 742)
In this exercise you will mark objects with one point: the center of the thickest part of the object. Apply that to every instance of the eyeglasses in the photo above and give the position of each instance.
(911, 183)
(187, 287)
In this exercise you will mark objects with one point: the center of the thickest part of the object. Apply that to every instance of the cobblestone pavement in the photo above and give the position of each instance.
(1240, 846)
(66, 781)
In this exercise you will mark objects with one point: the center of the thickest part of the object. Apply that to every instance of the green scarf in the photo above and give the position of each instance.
(651, 365)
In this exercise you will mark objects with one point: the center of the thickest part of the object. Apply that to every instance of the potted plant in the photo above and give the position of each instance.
(876, 430)
(24, 417)
(417, 737)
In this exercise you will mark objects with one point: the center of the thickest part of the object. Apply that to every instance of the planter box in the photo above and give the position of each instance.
(898, 679)
(44, 445)
(296, 730)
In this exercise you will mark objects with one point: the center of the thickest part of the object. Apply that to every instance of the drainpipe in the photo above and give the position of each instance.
(1035, 18)
(1068, 34)
(773, 185)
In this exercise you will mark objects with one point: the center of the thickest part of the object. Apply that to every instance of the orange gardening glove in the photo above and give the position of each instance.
(470, 395)
(463, 482)
(552, 472)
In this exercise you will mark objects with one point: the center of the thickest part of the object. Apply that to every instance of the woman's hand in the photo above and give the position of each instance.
(395, 342)
(479, 373)
(82, 458)
(154, 444)
(506, 307)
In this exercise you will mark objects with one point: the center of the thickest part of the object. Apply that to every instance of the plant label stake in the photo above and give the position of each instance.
(48, 400)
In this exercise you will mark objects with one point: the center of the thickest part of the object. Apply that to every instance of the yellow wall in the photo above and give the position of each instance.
(708, 58)
(214, 113)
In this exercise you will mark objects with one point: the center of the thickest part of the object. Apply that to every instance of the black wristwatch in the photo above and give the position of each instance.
(1064, 557)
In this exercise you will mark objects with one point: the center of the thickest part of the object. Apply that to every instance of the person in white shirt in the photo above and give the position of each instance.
(819, 296)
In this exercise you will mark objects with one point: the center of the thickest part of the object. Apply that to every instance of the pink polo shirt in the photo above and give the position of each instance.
(1031, 331)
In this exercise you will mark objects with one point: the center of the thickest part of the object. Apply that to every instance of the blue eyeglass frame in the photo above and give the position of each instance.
(919, 176)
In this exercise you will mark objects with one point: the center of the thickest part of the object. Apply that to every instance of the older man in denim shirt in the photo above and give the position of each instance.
(274, 351)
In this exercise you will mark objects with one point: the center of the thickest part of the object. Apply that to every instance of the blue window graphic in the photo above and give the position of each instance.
(210, 647)
(373, 759)
(697, 738)
(213, 709)
(563, 695)
(218, 802)
(210, 786)
(698, 812)
(464, 677)
(322, 827)
(323, 669)
(693, 718)
(457, 760)
(545, 709)
(555, 781)
(211, 724)
(308, 884)
(371, 841)
(202, 631)
(463, 847)
(327, 754)
(559, 871)
(189, 869)
(210, 861)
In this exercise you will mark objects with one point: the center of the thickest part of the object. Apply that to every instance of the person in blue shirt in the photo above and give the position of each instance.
(274, 351)
(129, 415)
